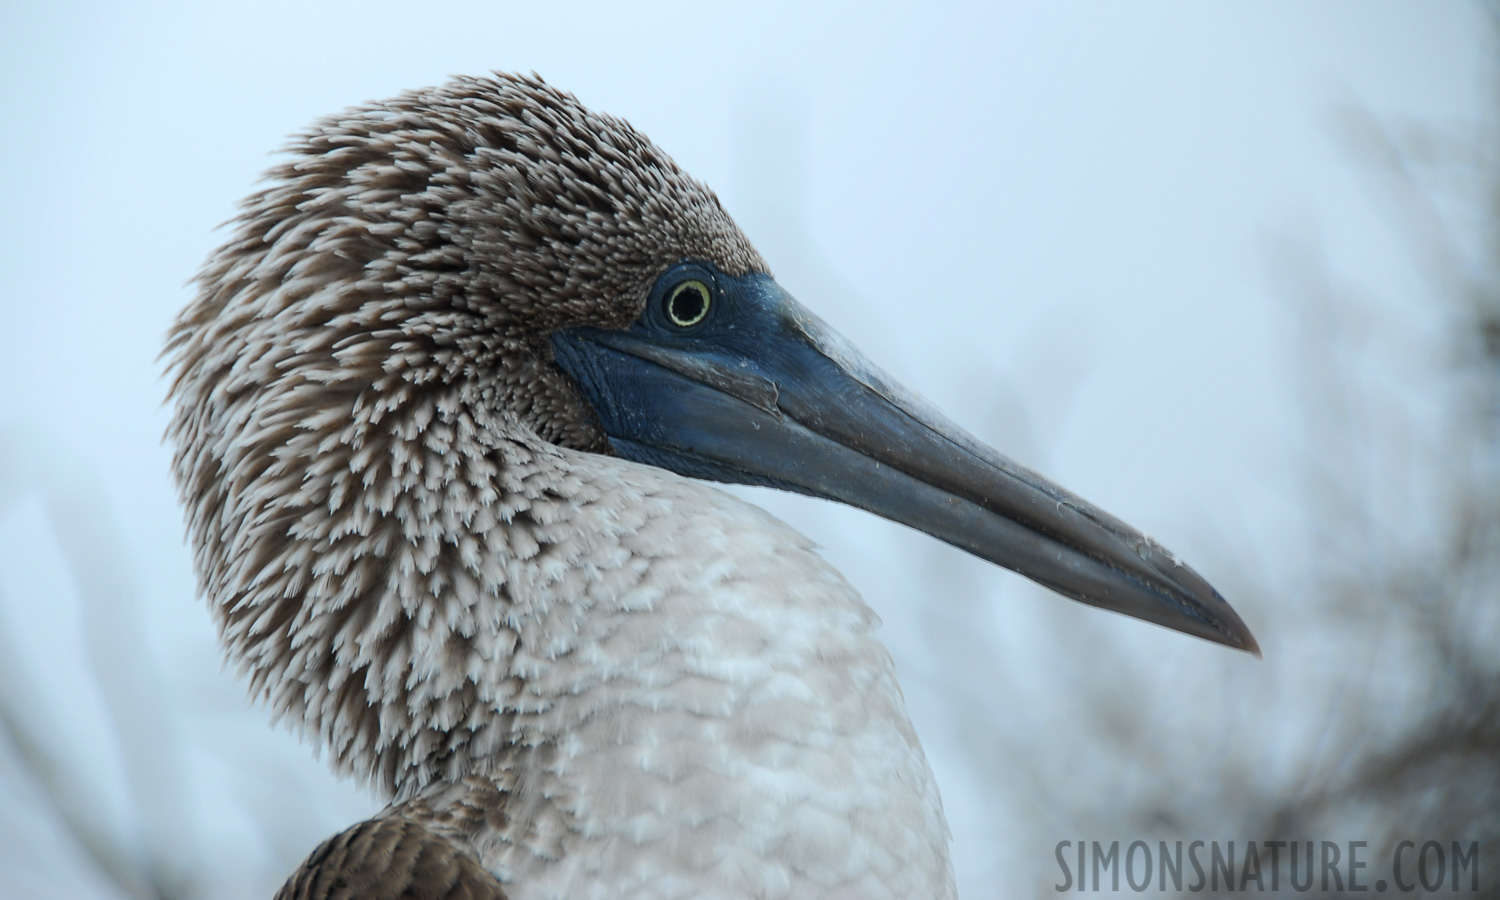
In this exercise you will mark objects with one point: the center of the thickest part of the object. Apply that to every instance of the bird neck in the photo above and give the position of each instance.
(618, 656)
(684, 693)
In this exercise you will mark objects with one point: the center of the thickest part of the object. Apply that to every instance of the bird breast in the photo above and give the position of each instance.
(702, 710)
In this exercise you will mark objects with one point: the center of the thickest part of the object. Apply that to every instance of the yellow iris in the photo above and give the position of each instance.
(687, 304)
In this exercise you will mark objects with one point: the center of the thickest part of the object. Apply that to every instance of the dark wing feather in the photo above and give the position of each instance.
(390, 858)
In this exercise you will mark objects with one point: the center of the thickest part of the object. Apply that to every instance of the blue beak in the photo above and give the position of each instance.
(760, 391)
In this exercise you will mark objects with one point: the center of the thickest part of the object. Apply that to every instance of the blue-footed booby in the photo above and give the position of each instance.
(444, 406)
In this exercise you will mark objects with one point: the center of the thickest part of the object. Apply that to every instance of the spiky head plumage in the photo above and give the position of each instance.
(363, 386)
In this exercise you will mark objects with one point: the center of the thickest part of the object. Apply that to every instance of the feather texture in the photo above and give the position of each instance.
(588, 677)
(391, 858)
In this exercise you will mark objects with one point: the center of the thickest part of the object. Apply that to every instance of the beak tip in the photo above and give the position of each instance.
(1209, 608)
(1235, 633)
(1250, 645)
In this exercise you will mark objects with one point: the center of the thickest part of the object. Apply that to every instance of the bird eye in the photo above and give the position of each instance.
(687, 303)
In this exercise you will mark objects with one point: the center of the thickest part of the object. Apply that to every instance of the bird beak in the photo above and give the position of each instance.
(771, 395)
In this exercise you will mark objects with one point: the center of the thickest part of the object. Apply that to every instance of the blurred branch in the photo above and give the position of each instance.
(1417, 756)
(149, 866)
(29, 733)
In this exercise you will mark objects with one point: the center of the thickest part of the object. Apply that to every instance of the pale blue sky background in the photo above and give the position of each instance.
(1050, 219)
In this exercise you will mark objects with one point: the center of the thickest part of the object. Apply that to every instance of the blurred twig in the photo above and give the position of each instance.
(1405, 506)
(135, 866)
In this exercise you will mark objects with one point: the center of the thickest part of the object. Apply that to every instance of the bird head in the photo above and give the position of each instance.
(430, 292)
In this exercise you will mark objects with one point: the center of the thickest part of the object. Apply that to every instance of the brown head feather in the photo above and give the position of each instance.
(364, 384)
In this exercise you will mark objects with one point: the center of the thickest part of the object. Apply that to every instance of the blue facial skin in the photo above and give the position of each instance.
(755, 393)
(671, 396)
(761, 392)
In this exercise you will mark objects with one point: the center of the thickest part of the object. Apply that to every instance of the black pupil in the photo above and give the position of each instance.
(688, 304)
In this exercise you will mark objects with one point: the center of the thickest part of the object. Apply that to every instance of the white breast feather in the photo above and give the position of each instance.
(710, 713)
